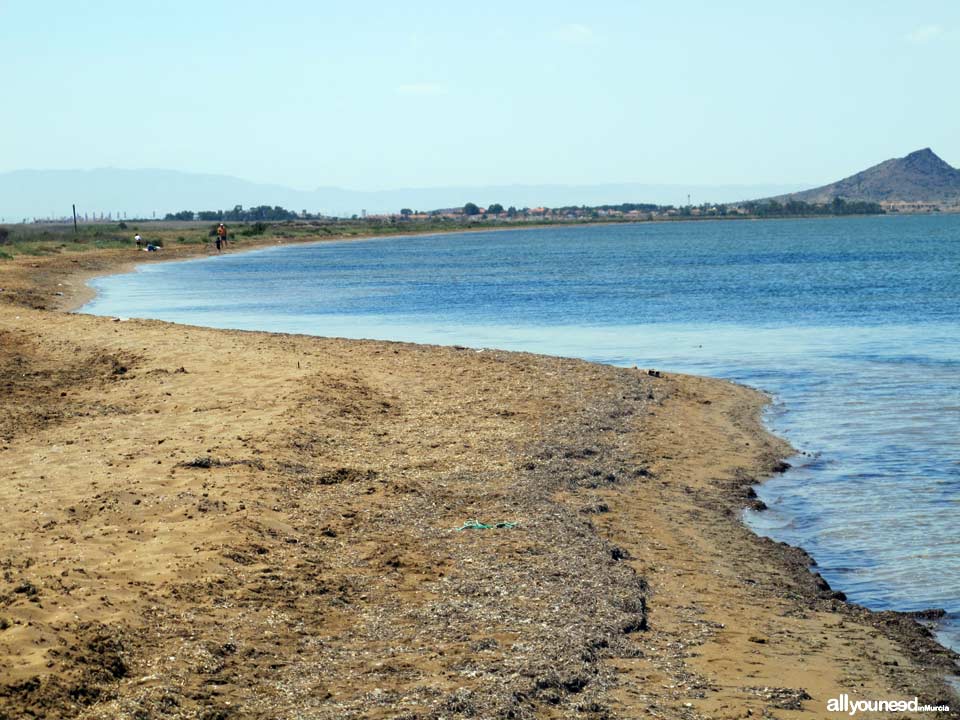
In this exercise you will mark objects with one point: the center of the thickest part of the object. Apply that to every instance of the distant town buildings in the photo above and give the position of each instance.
(494, 213)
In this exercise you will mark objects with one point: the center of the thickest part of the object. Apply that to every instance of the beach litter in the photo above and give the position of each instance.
(477, 525)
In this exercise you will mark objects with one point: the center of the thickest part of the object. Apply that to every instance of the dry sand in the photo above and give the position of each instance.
(217, 524)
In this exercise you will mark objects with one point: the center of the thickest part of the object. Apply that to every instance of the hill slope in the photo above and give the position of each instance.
(921, 176)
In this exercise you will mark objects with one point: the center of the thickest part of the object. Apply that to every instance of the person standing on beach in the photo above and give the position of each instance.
(139, 240)
(221, 236)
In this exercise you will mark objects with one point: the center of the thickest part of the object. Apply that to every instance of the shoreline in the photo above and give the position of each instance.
(192, 251)
(928, 615)
(766, 608)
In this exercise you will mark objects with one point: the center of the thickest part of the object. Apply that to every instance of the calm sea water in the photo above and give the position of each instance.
(852, 324)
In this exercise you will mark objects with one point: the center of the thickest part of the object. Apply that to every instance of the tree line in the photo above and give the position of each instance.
(754, 208)
(260, 213)
(794, 208)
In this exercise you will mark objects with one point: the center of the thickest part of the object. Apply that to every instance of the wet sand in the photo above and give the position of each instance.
(219, 524)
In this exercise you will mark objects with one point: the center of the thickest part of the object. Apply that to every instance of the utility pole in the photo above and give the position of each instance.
(75, 231)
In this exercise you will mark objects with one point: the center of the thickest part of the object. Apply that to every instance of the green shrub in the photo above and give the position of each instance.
(258, 228)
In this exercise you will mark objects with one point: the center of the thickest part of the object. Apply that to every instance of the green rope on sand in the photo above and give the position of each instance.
(477, 525)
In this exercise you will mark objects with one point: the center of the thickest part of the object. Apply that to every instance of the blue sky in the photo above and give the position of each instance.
(377, 95)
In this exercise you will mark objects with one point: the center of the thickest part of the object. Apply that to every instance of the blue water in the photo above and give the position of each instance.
(852, 324)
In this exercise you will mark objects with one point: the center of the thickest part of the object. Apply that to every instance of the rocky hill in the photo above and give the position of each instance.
(920, 177)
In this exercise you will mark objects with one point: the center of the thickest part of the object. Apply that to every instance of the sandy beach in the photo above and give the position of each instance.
(236, 525)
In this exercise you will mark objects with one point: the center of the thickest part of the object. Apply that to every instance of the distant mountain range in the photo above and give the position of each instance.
(920, 177)
(29, 194)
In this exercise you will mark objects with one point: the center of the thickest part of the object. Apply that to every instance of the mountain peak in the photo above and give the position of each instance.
(926, 159)
(920, 177)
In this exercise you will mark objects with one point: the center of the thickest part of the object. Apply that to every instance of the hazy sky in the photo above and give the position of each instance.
(374, 95)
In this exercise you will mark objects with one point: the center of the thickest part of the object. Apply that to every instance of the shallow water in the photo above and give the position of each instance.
(852, 324)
